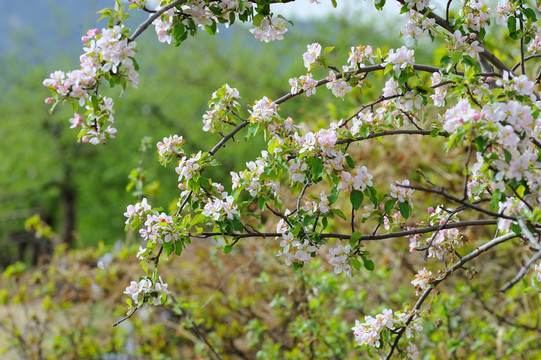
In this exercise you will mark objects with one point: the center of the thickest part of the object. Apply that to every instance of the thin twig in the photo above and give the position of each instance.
(387, 133)
(522, 67)
(127, 317)
(522, 272)
(524, 60)
(459, 201)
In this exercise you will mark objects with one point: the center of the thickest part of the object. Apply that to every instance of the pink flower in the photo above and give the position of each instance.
(269, 31)
(311, 55)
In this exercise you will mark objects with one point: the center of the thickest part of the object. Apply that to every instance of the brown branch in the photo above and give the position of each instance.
(385, 133)
(446, 195)
(372, 237)
(524, 60)
(522, 272)
(228, 137)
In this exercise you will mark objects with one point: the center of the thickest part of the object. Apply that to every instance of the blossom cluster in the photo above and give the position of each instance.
(444, 241)
(159, 227)
(511, 206)
(269, 30)
(503, 10)
(221, 207)
(313, 205)
(401, 58)
(170, 148)
(251, 181)
(294, 250)
(338, 257)
(401, 192)
(359, 56)
(146, 289)
(370, 332)
(476, 15)
(338, 87)
(222, 103)
(305, 83)
(535, 46)
(107, 55)
(440, 90)
(467, 45)
(422, 280)
(416, 27)
(188, 167)
(358, 180)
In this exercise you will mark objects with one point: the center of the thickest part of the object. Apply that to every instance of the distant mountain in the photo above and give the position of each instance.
(46, 27)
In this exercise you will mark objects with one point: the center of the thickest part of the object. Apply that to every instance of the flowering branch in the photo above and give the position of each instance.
(143, 26)
(372, 237)
(481, 249)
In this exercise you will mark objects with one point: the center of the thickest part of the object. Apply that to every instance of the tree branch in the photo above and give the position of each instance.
(372, 237)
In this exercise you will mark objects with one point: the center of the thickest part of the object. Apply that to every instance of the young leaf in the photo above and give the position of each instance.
(356, 197)
(405, 209)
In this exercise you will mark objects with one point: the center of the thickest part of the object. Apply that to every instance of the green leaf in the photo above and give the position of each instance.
(178, 247)
(237, 225)
(368, 264)
(317, 168)
(334, 4)
(380, 4)
(497, 196)
(481, 144)
(211, 29)
(324, 223)
(261, 203)
(350, 162)
(339, 213)
(197, 219)
(178, 30)
(258, 19)
(356, 197)
(373, 197)
(227, 249)
(355, 263)
(242, 6)
(328, 50)
(168, 247)
(445, 61)
(354, 238)
(273, 143)
(530, 14)
(389, 206)
(405, 209)
(507, 155)
(334, 196)
(289, 21)
(511, 24)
